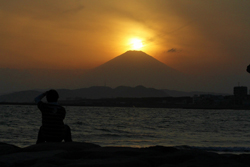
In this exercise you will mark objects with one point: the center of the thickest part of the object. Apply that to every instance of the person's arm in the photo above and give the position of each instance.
(39, 98)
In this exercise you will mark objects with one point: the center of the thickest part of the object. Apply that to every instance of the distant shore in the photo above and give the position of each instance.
(143, 105)
(76, 154)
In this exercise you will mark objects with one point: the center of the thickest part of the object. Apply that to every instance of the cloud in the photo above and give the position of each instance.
(172, 50)
(74, 10)
(198, 36)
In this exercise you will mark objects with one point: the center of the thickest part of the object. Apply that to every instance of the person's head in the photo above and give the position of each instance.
(52, 95)
(248, 68)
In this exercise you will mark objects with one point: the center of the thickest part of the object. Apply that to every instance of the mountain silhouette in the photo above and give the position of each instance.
(134, 68)
(94, 92)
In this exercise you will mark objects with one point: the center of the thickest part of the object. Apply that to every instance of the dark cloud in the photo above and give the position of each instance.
(172, 50)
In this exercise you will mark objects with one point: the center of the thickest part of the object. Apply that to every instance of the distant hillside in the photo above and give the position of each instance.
(98, 92)
(20, 97)
(90, 93)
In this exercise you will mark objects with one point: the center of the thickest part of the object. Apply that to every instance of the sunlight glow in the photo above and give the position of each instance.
(136, 44)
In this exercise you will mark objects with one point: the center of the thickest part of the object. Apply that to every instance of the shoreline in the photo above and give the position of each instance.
(209, 107)
(87, 154)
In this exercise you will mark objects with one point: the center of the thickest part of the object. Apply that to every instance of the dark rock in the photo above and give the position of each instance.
(76, 154)
(111, 162)
(162, 149)
(68, 146)
(8, 148)
(26, 158)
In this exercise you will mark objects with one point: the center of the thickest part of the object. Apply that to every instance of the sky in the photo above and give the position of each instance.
(208, 38)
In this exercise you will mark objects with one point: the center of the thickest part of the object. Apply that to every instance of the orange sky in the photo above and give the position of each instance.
(195, 37)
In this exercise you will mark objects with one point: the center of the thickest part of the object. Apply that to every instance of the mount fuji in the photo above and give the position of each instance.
(134, 68)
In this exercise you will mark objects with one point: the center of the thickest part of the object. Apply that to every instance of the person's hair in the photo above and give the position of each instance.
(52, 96)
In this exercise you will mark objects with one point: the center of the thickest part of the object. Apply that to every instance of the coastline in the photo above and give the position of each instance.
(92, 155)
(182, 106)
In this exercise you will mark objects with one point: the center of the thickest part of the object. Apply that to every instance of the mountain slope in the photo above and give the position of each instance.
(135, 68)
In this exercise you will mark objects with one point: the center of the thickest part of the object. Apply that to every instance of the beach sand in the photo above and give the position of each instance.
(78, 154)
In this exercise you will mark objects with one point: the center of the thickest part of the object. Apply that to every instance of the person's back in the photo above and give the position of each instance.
(52, 120)
(53, 128)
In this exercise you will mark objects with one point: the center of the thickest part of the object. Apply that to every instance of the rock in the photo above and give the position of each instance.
(8, 148)
(68, 146)
(111, 162)
(26, 158)
(76, 154)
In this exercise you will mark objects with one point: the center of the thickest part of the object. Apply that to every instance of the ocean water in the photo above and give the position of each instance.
(217, 130)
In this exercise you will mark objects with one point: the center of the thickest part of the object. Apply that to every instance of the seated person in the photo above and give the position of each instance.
(53, 128)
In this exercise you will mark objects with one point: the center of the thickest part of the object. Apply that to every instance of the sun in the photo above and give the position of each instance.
(136, 44)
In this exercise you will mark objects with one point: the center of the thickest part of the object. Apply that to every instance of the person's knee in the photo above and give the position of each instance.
(67, 137)
(41, 128)
(54, 139)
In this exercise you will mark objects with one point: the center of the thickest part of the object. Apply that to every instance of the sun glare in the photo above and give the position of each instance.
(136, 44)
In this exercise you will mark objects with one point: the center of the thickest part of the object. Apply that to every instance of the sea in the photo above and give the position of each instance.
(205, 129)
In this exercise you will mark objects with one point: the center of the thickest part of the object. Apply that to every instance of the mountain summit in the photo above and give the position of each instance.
(134, 68)
(135, 60)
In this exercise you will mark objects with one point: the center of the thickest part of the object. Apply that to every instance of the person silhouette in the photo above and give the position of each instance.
(53, 128)
(248, 68)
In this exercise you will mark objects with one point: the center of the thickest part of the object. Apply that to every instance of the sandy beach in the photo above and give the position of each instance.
(76, 154)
